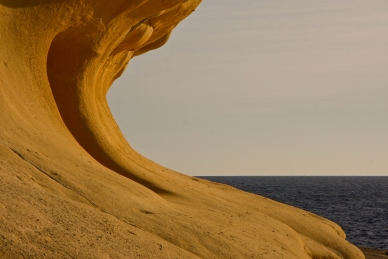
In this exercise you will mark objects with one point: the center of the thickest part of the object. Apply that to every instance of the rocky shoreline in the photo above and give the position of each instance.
(71, 185)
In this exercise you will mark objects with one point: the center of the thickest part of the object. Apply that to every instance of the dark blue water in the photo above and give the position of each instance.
(358, 204)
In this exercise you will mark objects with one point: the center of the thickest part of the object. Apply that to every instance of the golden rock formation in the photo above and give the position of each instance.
(71, 186)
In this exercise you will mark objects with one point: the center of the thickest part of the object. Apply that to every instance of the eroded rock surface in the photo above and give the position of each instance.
(72, 187)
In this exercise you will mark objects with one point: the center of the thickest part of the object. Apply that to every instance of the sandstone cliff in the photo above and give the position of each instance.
(72, 187)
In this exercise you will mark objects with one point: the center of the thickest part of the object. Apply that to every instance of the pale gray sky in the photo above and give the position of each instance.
(247, 87)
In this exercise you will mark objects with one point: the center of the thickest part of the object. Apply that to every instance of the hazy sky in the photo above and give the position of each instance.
(248, 87)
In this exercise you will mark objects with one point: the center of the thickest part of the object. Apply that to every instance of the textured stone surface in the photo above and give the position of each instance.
(72, 187)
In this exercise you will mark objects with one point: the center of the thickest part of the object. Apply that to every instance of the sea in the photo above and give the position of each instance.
(358, 204)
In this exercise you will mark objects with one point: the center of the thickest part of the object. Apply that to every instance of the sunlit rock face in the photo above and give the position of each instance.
(72, 187)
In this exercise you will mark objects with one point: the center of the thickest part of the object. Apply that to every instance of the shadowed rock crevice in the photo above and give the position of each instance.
(85, 111)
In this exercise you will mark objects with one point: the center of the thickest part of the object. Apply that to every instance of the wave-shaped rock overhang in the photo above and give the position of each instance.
(73, 187)
(94, 52)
